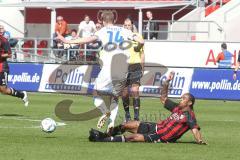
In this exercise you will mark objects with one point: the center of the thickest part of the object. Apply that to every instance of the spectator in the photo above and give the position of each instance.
(61, 26)
(7, 35)
(98, 26)
(92, 55)
(150, 26)
(73, 36)
(86, 28)
(224, 59)
(203, 3)
(4, 33)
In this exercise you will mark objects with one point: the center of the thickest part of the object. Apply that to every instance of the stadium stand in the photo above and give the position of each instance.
(171, 19)
(217, 4)
(137, 0)
(27, 46)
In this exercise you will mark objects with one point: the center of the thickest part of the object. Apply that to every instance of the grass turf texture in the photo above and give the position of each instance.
(24, 140)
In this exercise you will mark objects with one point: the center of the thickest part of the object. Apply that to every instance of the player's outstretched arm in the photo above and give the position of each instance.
(5, 55)
(164, 91)
(198, 137)
(78, 40)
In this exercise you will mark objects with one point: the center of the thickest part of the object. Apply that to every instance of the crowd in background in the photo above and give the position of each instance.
(86, 28)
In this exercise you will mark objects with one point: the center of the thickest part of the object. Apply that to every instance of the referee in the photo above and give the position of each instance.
(135, 72)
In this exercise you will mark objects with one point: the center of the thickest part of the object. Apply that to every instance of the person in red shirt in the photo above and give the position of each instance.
(181, 120)
(5, 52)
(61, 26)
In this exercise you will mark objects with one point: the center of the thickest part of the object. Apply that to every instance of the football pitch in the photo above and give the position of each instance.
(22, 139)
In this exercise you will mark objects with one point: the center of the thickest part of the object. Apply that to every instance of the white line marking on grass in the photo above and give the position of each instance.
(15, 127)
(26, 119)
(227, 120)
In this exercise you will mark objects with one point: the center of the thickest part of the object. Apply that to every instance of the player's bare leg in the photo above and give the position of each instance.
(98, 136)
(101, 103)
(114, 111)
(11, 91)
(130, 126)
(134, 138)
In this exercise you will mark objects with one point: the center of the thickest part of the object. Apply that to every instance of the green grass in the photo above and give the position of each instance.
(23, 140)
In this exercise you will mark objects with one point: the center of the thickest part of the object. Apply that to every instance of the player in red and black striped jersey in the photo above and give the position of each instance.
(181, 120)
(5, 52)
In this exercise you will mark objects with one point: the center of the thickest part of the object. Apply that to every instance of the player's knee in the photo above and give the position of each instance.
(136, 138)
(125, 92)
(131, 124)
(95, 93)
(139, 138)
(135, 91)
(124, 125)
(3, 89)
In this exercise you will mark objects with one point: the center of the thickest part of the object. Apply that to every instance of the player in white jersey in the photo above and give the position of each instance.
(114, 65)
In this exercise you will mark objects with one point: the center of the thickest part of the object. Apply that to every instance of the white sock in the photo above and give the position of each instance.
(100, 104)
(114, 111)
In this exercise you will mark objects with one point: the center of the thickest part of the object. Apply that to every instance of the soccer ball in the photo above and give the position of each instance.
(48, 125)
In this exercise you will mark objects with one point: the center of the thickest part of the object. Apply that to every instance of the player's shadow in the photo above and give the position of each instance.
(50, 137)
(11, 115)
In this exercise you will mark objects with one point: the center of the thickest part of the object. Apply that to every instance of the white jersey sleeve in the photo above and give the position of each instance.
(127, 34)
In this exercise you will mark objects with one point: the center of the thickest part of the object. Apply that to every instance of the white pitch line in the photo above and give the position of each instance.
(227, 120)
(14, 127)
(20, 119)
(26, 119)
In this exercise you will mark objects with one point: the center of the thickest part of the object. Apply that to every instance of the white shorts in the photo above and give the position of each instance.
(107, 84)
(113, 76)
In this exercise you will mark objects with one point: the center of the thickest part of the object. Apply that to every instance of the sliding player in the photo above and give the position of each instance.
(181, 120)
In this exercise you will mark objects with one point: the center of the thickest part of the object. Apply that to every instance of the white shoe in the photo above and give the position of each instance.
(25, 99)
(102, 120)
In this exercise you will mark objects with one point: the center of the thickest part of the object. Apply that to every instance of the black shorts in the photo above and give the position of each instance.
(3, 78)
(148, 130)
(134, 74)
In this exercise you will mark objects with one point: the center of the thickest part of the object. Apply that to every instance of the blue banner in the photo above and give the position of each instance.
(95, 71)
(202, 83)
(215, 84)
(25, 77)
